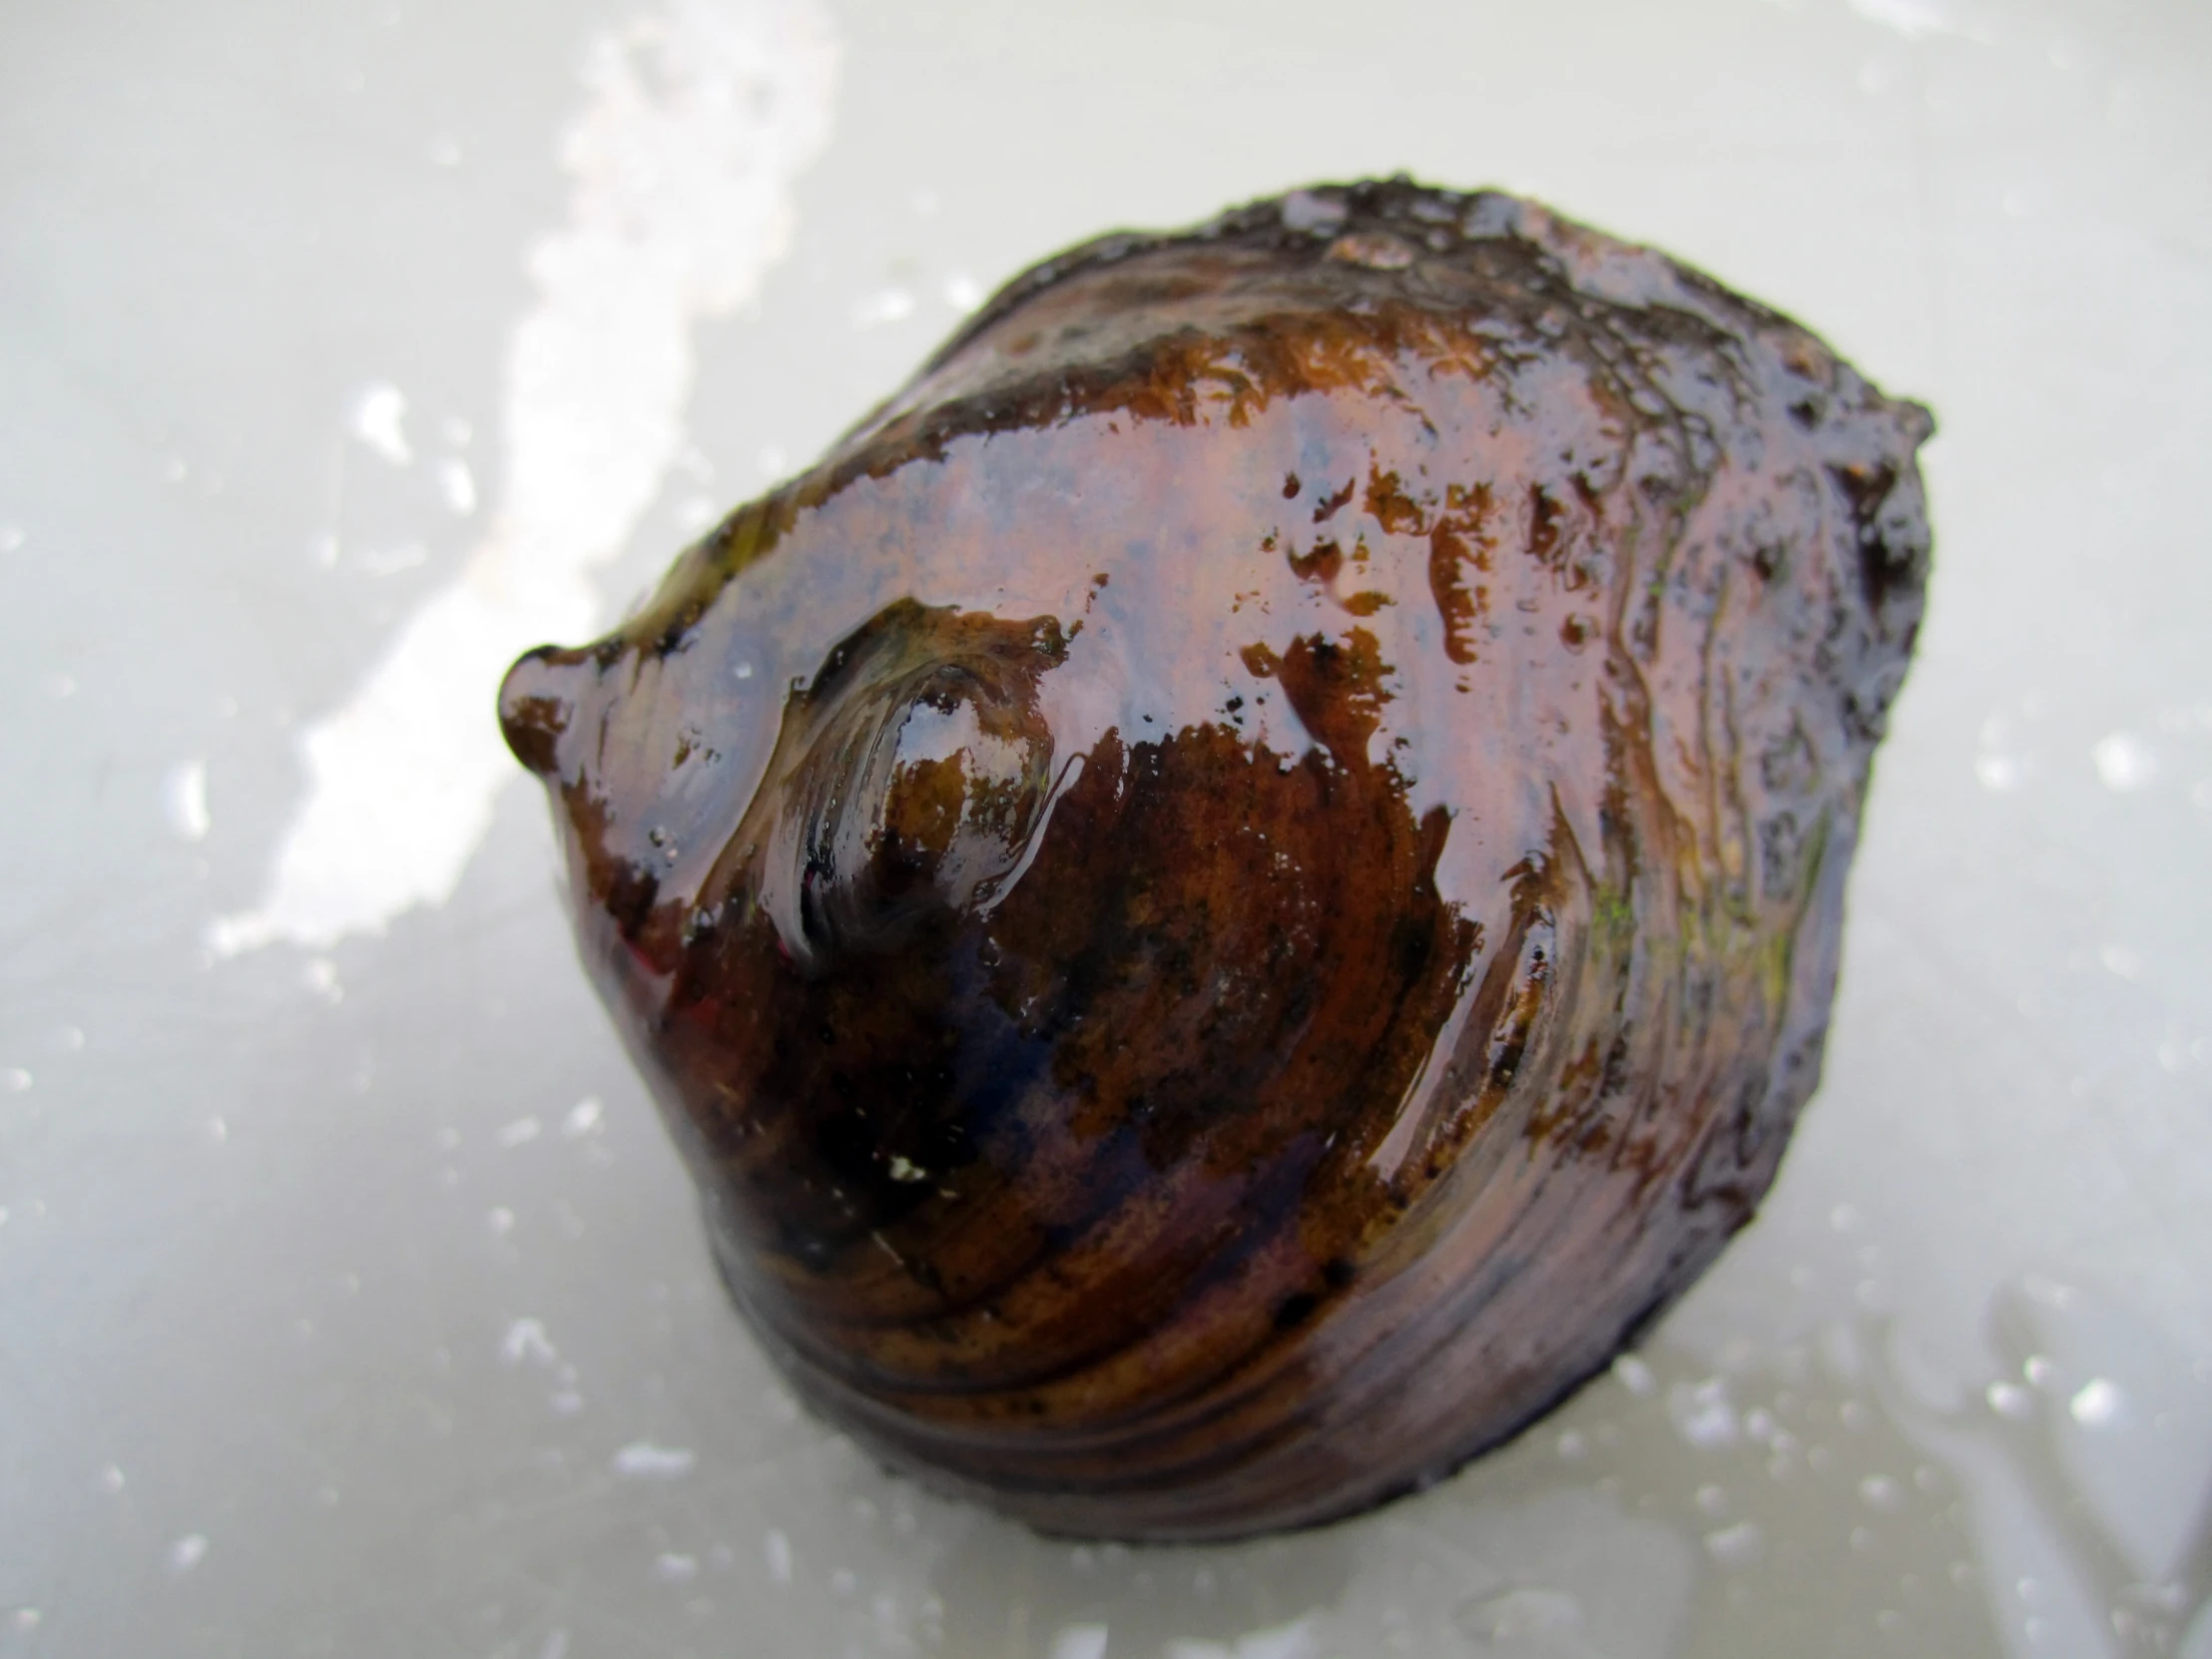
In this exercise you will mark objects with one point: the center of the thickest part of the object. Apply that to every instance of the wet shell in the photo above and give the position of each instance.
(1245, 880)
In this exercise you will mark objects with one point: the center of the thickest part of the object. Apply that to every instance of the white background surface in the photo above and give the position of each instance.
(350, 1302)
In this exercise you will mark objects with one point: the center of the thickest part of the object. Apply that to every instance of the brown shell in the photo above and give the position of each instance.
(1247, 878)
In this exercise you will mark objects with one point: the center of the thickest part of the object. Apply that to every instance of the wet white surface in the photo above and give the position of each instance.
(349, 1299)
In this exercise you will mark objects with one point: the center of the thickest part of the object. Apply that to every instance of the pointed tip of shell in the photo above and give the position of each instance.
(536, 701)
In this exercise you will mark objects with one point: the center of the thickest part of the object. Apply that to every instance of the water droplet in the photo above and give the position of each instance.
(1734, 1546)
(320, 975)
(520, 1132)
(1702, 1413)
(672, 1568)
(501, 1221)
(184, 795)
(458, 485)
(2010, 1400)
(778, 1551)
(2126, 762)
(187, 1553)
(2098, 1405)
(1881, 1492)
(1634, 1375)
(15, 1081)
(893, 304)
(393, 561)
(1080, 1641)
(526, 1340)
(643, 1460)
(379, 410)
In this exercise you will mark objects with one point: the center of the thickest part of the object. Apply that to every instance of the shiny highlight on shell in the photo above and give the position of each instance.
(1245, 880)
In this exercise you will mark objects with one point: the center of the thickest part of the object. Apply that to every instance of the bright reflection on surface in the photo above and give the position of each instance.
(681, 164)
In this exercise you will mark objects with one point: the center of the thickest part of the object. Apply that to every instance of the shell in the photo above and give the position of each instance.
(1245, 880)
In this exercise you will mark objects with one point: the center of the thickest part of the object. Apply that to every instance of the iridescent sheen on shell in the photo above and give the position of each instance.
(1245, 880)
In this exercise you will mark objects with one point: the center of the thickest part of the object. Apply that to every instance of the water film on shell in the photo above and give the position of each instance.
(1245, 880)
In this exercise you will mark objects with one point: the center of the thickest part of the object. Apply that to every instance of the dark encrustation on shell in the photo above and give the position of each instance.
(1245, 880)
